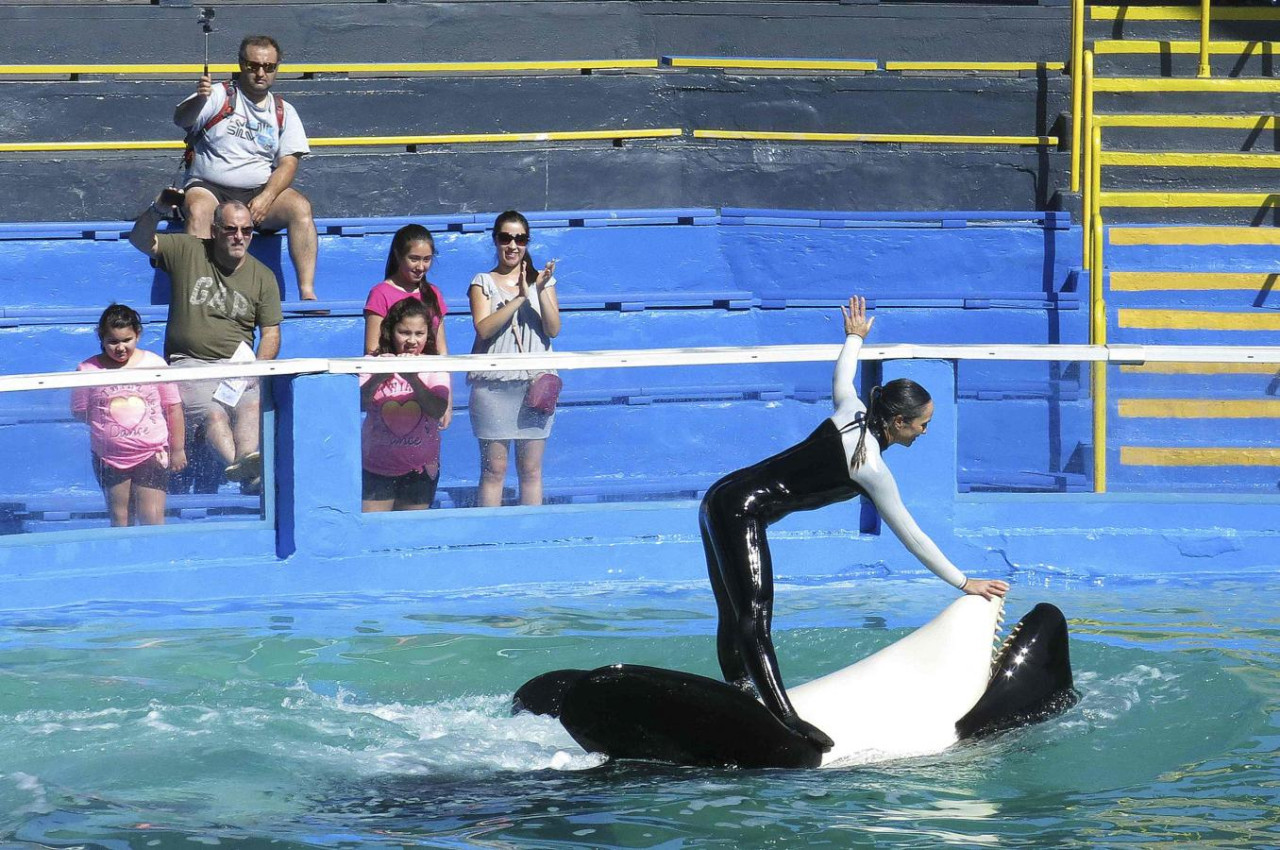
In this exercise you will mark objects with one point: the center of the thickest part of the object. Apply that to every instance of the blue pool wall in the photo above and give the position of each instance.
(629, 279)
(320, 542)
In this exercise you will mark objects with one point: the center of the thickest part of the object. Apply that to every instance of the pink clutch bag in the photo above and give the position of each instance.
(543, 393)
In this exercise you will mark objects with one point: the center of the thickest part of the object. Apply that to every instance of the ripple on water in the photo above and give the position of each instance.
(365, 717)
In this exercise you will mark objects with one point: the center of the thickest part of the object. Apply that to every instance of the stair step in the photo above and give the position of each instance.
(1143, 281)
(1192, 235)
(1200, 456)
(1197, 320)
(1198, 408)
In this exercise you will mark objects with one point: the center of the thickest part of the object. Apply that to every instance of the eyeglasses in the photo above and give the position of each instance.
(508, 238)
(232, 230)
(264, 67)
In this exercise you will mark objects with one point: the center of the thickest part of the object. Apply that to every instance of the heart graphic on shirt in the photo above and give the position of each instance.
(401, 418)
(128, 410)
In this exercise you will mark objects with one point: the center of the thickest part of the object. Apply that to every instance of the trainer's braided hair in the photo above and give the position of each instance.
(900, 397)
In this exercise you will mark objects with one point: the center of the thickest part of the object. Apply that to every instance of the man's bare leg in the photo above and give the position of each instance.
(293, 211)
(198, 211)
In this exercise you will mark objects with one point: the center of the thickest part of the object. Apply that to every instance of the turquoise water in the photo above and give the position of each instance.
(332, 722)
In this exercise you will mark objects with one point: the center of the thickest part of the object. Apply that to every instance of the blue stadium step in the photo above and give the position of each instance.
(88, 264)
(1159, 326)
(36, 526)
(1210, 478)
(1199, 299)
(1204, 432)
(1192, 249)
(1195, 380)
(1016, 481)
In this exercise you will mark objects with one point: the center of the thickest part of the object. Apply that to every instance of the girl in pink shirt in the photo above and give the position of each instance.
(136, 431)
(400, 439)
(408, 261)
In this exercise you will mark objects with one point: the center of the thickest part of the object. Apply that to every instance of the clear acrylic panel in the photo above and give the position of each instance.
(60, 478)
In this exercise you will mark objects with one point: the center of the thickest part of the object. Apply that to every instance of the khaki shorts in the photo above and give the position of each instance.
(197, 396)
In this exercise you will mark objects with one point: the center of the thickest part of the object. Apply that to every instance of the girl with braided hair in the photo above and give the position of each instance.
(841, 459)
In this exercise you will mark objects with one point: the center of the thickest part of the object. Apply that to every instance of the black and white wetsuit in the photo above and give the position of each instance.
(739, 508)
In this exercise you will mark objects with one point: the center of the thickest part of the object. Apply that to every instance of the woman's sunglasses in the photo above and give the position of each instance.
(508, 238)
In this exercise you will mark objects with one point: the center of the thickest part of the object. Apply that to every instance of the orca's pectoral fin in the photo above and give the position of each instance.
(544, 694)
(633, 712)
(1031, 677)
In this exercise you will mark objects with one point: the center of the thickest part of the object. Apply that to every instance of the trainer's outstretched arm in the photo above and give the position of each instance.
(856, 328)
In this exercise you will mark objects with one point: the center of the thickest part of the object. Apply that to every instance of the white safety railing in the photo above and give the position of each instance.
(648, 357)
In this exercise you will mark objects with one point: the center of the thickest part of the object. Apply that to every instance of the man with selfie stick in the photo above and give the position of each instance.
(219, 295)
(245, 144)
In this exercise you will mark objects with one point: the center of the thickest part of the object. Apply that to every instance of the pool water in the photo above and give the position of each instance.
(383, 721)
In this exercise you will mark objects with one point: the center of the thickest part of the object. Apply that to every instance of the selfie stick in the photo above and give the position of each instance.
(206, 25)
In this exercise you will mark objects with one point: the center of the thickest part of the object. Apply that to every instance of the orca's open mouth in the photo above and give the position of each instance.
(1031, 676)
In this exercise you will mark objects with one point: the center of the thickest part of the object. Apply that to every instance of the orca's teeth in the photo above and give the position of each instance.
(997, 643)
(998, 655)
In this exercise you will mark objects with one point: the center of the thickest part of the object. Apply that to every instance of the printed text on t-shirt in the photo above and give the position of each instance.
(215, 293)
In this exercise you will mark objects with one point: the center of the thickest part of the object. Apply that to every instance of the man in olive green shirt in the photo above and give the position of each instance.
(219, 296)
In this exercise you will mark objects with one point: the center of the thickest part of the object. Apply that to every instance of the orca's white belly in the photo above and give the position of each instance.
(905, 699)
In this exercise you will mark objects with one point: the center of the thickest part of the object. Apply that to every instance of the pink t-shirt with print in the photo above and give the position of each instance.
(126, 421)
(385, 294)
(398, 436)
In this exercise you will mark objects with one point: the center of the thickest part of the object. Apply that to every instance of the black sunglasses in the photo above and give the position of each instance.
(264, 67)
(508, 238)
(232, 230)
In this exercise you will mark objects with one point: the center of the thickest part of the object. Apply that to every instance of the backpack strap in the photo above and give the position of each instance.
(228, 107)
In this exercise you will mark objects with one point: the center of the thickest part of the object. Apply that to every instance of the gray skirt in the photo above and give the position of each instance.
(498, 412)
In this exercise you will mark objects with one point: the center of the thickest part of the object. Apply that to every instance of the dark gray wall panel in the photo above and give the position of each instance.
(539, 30)
(98, 111)
(574, 177)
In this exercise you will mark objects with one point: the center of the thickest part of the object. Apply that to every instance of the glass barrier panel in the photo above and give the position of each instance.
(1024, 426)
(102, 456)
(616, 435)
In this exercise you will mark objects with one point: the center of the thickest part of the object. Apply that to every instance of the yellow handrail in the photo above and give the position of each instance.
(1203, 69)
(1077, 60)
(1084, 136)
(1099, 427)
(1098, 317)
(1098, 311)
(337, 67)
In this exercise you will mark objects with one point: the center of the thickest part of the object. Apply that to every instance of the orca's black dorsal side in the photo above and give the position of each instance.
(632, 712)
(1031, 678)
(544, 694)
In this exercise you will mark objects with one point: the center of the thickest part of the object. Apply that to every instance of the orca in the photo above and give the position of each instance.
(936, 686)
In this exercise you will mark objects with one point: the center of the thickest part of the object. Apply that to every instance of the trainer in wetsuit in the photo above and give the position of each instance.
(834, 463)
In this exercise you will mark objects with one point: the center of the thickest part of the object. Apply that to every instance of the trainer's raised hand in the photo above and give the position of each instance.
(204, 87)
(855, 317)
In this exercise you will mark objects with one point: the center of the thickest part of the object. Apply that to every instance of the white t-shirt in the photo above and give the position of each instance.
(242, 150)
